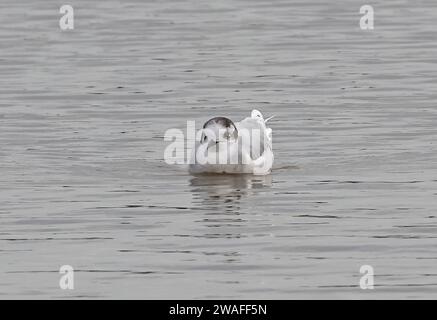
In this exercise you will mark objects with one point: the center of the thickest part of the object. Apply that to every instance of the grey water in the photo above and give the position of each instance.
(83, 181)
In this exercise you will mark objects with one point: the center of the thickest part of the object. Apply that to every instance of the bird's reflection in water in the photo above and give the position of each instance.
(221, 202)
(222, 194)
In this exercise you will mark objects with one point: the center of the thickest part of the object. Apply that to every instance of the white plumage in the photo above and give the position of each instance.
(227, 147)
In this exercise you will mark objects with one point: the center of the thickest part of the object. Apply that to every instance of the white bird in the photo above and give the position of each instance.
(228, 147)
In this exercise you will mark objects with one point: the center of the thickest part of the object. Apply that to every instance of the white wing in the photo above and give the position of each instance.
(254, 137)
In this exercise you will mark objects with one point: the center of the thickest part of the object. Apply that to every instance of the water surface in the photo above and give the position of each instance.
(83, 181)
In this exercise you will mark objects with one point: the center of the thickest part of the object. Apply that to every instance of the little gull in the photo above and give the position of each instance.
(223, 146)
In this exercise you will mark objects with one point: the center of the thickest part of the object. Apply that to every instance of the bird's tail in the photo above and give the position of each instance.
(269, 118)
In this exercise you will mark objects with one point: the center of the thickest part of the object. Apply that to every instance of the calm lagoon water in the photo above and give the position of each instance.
(82, 177)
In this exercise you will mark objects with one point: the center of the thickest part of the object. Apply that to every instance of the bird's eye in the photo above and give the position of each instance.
(204, 138)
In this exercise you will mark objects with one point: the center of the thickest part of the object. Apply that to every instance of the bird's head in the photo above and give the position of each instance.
(218, 129)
